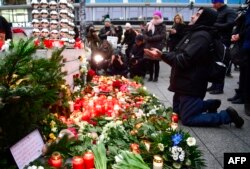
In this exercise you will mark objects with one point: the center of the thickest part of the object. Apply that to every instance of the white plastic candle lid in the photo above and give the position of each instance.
(53, 22)
(35, 21)
(35, 11)
(53, 13)
(44, 11)
(54, 31)
(35, 30)
(43, 2)
(34, 2)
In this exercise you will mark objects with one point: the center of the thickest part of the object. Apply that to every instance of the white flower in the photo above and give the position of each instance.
(175, 157)
(161, 146)
(181, 157)
(118, 122)
(177, 165)
(140, 113)
(54, 129)
(40, 167)
(179, 149)
(191, 141)
(118, 158)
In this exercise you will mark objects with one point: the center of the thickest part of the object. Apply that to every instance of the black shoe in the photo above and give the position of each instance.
(214, 106)
(229, 75)
(238, 101)
(210, 88)
(236, 69)
(150, 79)
(155, 80)
(247, 108)
(235, 97)
(235, 118)
(216, 92)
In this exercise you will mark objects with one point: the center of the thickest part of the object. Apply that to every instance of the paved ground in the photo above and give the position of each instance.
(214, 142)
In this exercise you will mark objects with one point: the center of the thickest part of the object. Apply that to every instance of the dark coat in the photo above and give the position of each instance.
(5, 28)
(174, 39)
(129, 38)
(246, 43)
(156, 40)
(102, 33)
(190, 63)
(225, 22)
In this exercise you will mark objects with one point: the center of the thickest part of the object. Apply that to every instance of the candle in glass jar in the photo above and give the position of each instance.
(157, 162)
(77, 162)
(56, 160)
(88, 159)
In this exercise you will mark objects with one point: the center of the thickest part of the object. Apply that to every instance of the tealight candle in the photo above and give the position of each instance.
(77, 162)
(157, 162)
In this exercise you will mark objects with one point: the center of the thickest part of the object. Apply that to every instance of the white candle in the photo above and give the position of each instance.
(71, 106)
(157, 162)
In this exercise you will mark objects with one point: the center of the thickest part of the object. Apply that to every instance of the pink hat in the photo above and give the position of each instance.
(158, 13)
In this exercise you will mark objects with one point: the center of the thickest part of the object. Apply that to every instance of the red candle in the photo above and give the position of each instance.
(77, 106)
(77, 162)
(88, 159)
(56, 160)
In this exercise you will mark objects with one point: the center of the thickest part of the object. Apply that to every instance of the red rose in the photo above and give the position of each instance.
(91, 72)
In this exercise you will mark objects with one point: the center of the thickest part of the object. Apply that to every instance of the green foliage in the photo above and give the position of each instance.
(28, 86)
(128, 160)
(100, 156)
(138, 79)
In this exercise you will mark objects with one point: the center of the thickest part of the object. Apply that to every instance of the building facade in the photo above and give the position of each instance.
(18, 12)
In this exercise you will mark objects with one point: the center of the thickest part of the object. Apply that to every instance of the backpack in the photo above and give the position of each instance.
(217, 68)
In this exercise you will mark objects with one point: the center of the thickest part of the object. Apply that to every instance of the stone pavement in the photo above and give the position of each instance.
(214, 142)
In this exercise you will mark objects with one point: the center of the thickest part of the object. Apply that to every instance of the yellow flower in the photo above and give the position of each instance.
(52, 123)
(52, 136)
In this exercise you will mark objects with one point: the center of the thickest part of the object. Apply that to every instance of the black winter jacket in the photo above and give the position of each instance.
(156, 40)
(102, 33)
(190, 63)
(225, 22)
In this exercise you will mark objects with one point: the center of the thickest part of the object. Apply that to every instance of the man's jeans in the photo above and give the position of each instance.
(193, 112)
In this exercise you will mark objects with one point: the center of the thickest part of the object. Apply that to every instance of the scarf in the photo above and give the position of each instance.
(152, 23)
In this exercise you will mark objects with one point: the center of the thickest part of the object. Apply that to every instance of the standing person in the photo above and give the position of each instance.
(224, 24)
(107, 30)
(246, 49)
(93, 39)
(237, 39)
(176, 32)
(5, 29)
(119, 33)
(136, 62)
(154, 37)
(129, 38)
(190, 64)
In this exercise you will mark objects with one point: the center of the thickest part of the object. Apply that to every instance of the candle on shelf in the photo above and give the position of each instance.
(56, 160)
(157, 162)
(77, 162)
(88, 159)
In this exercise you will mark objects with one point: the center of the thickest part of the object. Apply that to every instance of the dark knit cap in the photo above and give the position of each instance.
(207, 17)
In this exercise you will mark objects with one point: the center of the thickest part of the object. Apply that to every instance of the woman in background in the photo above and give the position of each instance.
(176, 32)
